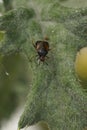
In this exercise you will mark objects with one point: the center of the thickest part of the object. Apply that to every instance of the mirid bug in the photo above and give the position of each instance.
(42, 48)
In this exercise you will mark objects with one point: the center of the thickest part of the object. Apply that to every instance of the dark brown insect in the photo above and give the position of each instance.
(42, 48)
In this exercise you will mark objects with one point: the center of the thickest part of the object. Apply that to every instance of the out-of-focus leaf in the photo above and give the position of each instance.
(8, 4)
(2, 33)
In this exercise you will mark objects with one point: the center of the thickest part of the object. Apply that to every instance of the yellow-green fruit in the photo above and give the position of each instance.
(81, 64)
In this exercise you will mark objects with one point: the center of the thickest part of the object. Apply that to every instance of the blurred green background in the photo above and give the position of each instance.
(14, 83)
(14, 75)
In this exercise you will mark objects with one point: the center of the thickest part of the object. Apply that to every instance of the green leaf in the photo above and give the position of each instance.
(75, 20)
(56, 95)
(15, 23)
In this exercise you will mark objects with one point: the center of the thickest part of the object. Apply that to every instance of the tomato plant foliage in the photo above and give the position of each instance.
(56, 95)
